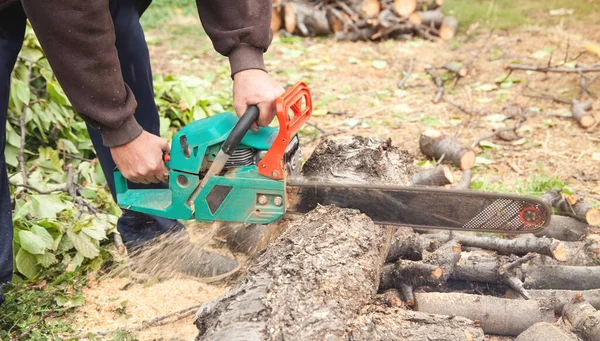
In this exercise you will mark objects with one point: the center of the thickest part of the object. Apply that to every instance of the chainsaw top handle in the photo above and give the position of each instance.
(240, 129)
(293, 110)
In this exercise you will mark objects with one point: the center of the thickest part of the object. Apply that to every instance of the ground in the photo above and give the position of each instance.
(355, 91)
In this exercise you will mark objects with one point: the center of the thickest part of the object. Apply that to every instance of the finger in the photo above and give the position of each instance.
(267, 112)
(164, 145)
(240, 108)
(254, 127)
(151, 179)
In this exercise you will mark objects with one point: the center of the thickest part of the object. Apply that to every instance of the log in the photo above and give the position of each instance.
(547, 332)
(582, 253)
(583, 318)
(581, 111)
(465, 180)
(378, 323)
(586, 212)
(404, 8)
(305, 20)
(498, 316)
(448, 28)
(434, 144)
(392, 298)
(519, 246)
(431, 18)
(307, 285)
(561, 277)
(406, 244)
(564, 228)
(560, 298)
(571, 206)
(437, 176)
(276, 18)
(371, 9)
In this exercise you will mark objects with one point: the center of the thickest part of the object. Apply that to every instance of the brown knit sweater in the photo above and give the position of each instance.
(79, 41)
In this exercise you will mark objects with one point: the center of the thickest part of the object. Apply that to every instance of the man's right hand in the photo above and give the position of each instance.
(141, 159)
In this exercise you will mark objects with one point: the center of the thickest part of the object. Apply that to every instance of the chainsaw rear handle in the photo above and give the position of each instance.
(240, 129)
(293, 110)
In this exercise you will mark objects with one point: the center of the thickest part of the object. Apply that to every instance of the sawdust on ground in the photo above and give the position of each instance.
(121, 303)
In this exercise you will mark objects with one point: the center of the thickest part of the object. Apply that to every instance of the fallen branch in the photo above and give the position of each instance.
(560, 298)
(406, 74)
(496, 315)
(438, 82)
(561, 277)
(546, 69)
(581, 113)
(437, 176)
(547, 332)
(583, 318)
(437, 145)
(564, 228)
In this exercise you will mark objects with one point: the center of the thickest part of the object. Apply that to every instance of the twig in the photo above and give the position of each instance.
(39, 191)
(438, 82)
(520, 261)
(30, 328)
(514, 128)
(406, 74)
(546, 69)
(465, 110)
(550, 97)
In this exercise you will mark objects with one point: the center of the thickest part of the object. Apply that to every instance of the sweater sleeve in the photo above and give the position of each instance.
(79, 41)
(239, 29)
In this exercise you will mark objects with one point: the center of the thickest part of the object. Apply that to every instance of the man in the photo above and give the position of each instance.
(99, 55)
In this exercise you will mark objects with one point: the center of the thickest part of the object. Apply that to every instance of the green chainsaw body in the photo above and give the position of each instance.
(225, 197)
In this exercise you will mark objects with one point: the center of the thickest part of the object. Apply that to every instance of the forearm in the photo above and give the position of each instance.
(79, 41)
(239, 30)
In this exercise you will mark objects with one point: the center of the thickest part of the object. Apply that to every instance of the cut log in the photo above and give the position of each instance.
(305, 20)
(582, 253)
(547, 332)
(378, 323)
(586, 212)
(371, 9)
(456, 68)
(437, 176)
(434, 144)
(498, 316)
(584, 319)
(427, 18)
(307, 285)
(561, 277)
(406, 244)
(276, 19)
(519, 246)
(564, 228)
(404, 8)
(571, 206)
(448, 28)
(560, 298)
(582, 113)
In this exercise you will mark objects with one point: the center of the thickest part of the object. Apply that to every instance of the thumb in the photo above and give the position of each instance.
(164, 146)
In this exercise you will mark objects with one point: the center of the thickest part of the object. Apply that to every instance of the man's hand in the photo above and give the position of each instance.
(256, 87)
(141, 160)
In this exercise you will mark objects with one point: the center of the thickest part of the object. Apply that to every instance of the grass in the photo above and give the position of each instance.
(504, 14)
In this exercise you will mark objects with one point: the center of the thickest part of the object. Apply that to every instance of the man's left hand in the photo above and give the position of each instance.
(256, 87)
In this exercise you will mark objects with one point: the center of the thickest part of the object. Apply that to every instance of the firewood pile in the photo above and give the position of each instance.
(333, 274)
(355, 20)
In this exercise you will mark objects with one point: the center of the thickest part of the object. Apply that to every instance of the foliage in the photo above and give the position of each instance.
(63, 214)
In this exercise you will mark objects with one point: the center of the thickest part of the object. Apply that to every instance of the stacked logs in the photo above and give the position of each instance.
(354, 20)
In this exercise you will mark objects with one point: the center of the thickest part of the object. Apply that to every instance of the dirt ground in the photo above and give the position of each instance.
(354, 87)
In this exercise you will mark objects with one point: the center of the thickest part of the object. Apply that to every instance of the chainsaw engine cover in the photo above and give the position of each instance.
(238, 194)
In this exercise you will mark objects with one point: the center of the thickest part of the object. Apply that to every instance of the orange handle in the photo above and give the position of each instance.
(293, 110)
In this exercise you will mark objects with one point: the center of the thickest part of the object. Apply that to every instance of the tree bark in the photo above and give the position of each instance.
(496, 315)
(583, 318)
(437, 176)
(305, 20)
(544, 331)
(435, 144)
(564, 228)
(448, 28)
(377, 323)
(582, 113)
(560, 298)
(561, 277)
(307, 285)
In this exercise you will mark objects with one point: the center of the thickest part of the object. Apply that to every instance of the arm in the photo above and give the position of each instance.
(79, 41)
(239, 29)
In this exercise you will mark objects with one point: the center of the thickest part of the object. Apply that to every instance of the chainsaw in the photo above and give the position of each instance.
(221, 171)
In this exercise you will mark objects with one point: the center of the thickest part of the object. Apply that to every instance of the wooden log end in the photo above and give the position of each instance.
(560, 252)
(371, 8)
(592, 216)
(432, 133)
(404, 8)
(448, 28)
(467, 161)
(276, 20)
(415, 18)
(587, 121)
(289, 17)
(437, 273)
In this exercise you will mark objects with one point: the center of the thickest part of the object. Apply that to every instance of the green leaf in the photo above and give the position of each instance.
(48, 206)
(31, 54)
(32, 243)
(20, 93)
(83, 244)
(596, 156)
(379, 64)
(26, 263)
(46, 260)
(69, 302)
(43, 234)
(95, 232)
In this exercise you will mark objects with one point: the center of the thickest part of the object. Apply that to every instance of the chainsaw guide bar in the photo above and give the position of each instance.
(422, 207)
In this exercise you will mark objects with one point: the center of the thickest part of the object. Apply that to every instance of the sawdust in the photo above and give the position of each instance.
(120, 303)
(360, 159)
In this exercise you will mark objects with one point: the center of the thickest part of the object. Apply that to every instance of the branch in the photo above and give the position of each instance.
(552, 69)
(30, 328)
(406, 74)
